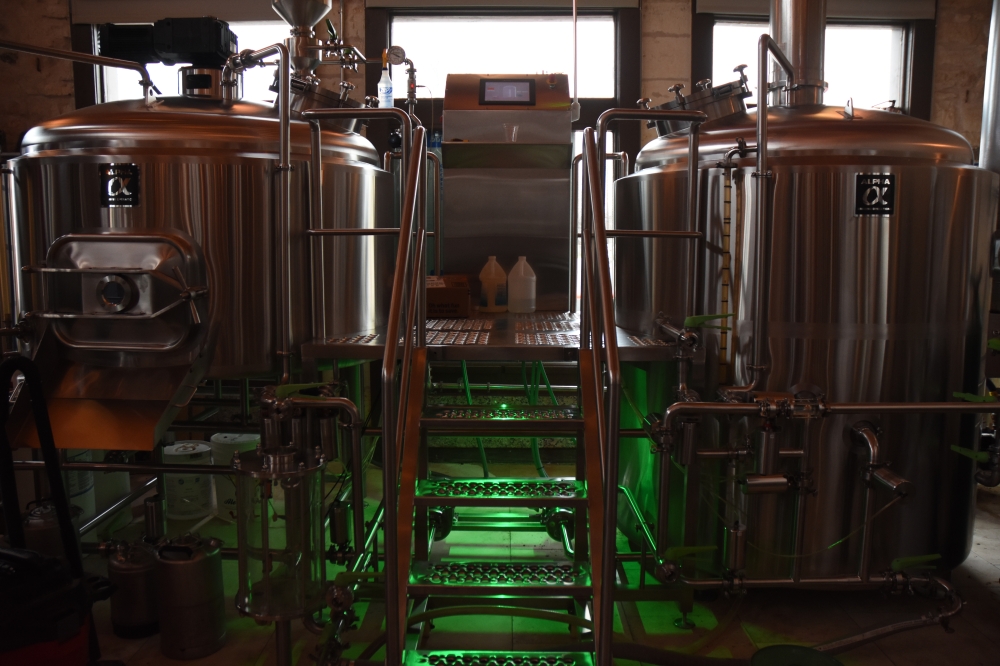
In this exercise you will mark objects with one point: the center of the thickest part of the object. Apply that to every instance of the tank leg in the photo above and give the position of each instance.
(283, 642)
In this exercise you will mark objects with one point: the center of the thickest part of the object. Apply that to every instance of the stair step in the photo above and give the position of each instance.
(495, 658)
(523, 579)
(501, 492)
(515, 420)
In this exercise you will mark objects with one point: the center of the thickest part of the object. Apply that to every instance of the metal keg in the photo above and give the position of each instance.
(41, 529)
(190, 598)
(132, 571)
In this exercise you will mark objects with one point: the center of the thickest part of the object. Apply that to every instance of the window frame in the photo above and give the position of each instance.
(378, 30)
(917, 60)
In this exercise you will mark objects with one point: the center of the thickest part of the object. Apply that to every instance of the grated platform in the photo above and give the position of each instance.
(501, 492)
(467, 658)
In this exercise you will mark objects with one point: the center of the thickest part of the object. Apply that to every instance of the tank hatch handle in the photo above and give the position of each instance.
(914, 562)
(700, 321)
(974, 397)
(977, 456)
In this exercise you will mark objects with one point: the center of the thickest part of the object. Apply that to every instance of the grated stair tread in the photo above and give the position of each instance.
(510, 578)
(501, 492)
(503, 421)
(495, 658)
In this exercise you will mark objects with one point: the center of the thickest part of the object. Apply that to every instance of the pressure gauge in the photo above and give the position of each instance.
(396, 55)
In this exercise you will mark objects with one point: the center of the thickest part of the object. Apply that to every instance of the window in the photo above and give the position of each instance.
(442, 45)
(124, 84)
(863, 62)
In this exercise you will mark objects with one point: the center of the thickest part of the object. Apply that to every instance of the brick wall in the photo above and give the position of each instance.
(666, 50)
(961, 41)
(32, 88)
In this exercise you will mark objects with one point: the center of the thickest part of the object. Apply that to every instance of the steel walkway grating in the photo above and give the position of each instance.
(500, 574)
(501, 492)
(495, 658)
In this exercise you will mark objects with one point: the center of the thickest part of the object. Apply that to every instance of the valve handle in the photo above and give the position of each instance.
(973, 397)
(288, 390)
(680, 552)
(699, 321)
(978, 456)
(914, 562)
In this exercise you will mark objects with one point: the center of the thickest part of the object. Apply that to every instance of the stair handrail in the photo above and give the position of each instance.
(604, 335)
(409, 269)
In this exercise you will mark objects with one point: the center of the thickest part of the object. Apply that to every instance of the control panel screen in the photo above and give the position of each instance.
(507, 91)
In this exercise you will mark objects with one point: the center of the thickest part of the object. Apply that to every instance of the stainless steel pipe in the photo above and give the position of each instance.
(355, 424)
(150, 485)
(762, 290)
(87, 59)
(131, 468)
(438, 236)
(613, 374)
(390, 411)
(799, 29)
(989, 143)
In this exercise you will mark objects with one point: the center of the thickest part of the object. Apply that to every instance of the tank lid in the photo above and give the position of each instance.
(818, 131)
(182, 126)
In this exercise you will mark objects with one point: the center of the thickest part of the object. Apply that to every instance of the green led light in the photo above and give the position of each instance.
(503, 406)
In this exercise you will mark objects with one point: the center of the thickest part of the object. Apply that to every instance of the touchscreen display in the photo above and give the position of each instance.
(507, 91)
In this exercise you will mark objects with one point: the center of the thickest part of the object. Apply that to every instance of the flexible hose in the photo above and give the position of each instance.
(532, 394)
(479, 440)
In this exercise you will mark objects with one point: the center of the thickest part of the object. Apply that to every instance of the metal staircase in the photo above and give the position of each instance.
(578, 590)
(421, 581)
(415, 584)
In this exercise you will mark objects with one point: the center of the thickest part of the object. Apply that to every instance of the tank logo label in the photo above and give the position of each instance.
(119, 185)
(875, 194)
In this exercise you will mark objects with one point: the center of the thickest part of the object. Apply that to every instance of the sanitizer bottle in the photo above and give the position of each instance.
(521, 287)
(385, 100)
(493, 294)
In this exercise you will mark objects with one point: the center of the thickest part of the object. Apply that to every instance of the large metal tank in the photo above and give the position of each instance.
(204, 186)
(879, 292)
(209, 170)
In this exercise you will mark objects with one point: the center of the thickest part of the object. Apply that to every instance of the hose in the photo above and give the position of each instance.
(479, 440)
(937, 616)
(532, 395)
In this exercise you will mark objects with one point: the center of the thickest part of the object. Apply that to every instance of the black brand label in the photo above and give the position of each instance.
(119, 185)
(875, 194)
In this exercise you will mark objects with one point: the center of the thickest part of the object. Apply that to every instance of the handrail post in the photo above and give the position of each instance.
(390, 461)
(411, 163)
(611, 415)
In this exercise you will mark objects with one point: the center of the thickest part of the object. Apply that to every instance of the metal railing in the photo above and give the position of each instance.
(604, 343)
(598, 330)
(407, 305)
(409, 265)
(88, 59)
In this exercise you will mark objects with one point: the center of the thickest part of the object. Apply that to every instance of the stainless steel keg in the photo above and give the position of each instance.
(41, 529)
(134, 608)
(190, 598)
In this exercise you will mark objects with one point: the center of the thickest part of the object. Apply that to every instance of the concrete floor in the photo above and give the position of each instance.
(723, 628)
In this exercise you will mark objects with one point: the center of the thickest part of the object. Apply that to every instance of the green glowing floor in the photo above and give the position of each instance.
(723, 629)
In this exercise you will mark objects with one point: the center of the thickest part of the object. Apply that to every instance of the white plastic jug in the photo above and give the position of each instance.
(493, 294)
(521, 287)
